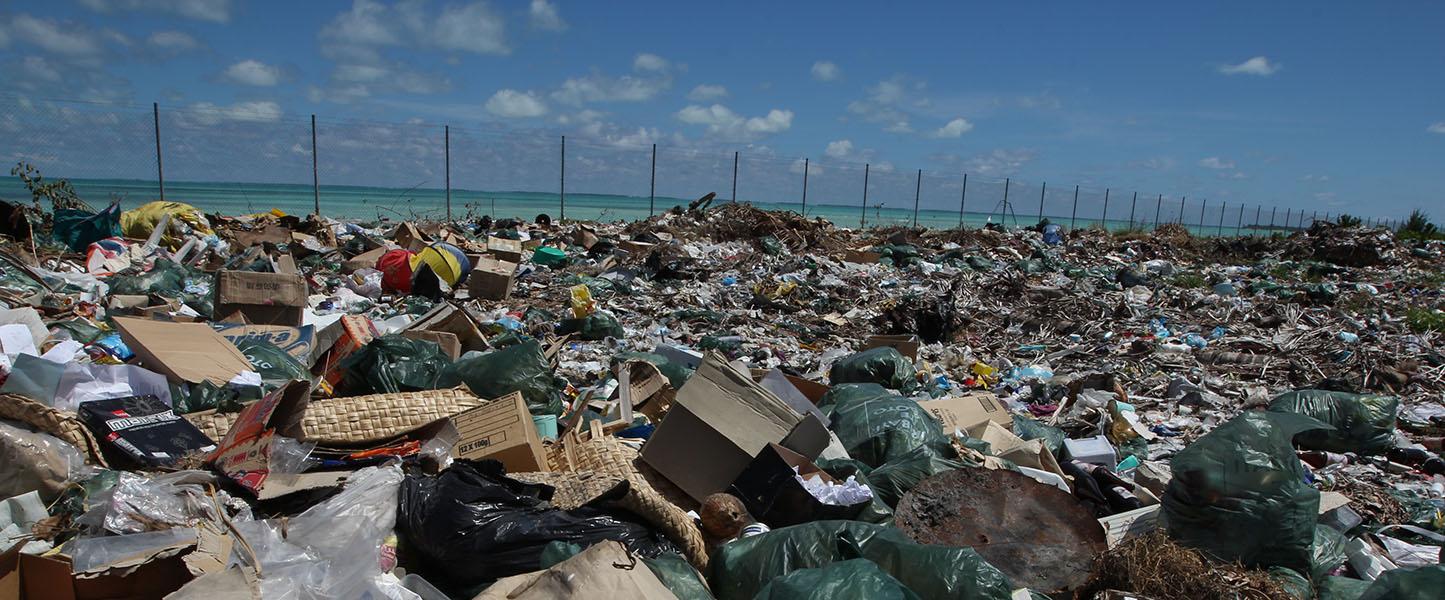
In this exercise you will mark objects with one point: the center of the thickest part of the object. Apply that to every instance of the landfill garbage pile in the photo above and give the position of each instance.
(749, 404)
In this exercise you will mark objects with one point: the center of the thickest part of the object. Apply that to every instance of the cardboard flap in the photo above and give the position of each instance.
(244, 454)
(968, 412)
(746, 413)
(190, 352)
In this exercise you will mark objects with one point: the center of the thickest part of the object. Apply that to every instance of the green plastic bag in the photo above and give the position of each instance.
(855, 579)
(1030, 429)
(593, 327)
(1327, 552)
(1294, 584)
(876, 426)
(78, 229)
(675, 573)
(188, 397)
(1341, 588)
(882, 365)
(894, 478)
(1363, 423)
(676, 374)
(170, 280)
(393, 363)
(1239, 493)
(742, 568)
(516, 368)
(274, 364)
(1421, 583)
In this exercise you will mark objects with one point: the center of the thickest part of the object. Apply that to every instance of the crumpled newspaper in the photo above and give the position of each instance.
(848, 493)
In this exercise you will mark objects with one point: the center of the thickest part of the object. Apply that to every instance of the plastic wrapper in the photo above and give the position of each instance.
(849, 492)
(138, 503)
(18, 516)
(37, 461)
(471, 525)
(876, 426)
(275, 365)
(1239, 493)
(184, 220)
(333, 549)
(517, 368)
(876, 511)
(1327, 552)
(290, 456)
(394, 363)
(856, 579)
(1363, 423)
(94, 553)
(883, 366)
(742, 568)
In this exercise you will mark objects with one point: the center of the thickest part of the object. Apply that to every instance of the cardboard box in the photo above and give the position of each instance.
(719, 421)
(296, 341)
(773, 495)
(782, 385)
(505, 249)
(244, 454)
(265, 298)
(456, 320)
(861, 255)
(285, 264)
(348, 334)
(491, 279)
(635, 247)
(906, 345)
(190, 352)
(33, 577)
(410, 237)
(968, 412)
(143, 430)
(127, 303)
(365, 260)
(448, 341)
(501, 430)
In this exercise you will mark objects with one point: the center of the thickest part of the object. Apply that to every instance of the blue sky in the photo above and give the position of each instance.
(1328, 106)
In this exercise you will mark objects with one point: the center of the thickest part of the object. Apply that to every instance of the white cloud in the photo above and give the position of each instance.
(208, 114)
(1232, 175)
(601, 88)
(253, 72)
(1214, 162)
(724, 123)
(172, 41)
(839, 148)
(954, 128)
(1316, 178)
(899, 127)
(544, 16)
(55, 38)
(585, 115)
(37, 68)
(705, 92)
(650, 62)
(215, 11)
(882, 167)
(357, 34)
(515, 105)
(1000, 162)
(826, 71)
(799, 165)
(889, 102)
(1258, 66)
(1157, 163)
(1436, 127)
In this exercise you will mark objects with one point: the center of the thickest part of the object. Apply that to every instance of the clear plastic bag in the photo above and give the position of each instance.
(36, 461)
(290, 456)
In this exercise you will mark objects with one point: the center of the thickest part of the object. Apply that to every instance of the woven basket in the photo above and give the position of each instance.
(360, 418)
(58, 423)
(650, 495)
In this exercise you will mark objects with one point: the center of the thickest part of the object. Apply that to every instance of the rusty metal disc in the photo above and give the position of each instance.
(1040, 536)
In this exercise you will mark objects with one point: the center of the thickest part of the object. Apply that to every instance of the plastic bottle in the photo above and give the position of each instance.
(1195, 341)
(1348, 338)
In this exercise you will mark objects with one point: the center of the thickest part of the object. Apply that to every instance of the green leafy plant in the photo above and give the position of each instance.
(59, 192)
(1421, 320)
(1348, 221)
(1419, 227)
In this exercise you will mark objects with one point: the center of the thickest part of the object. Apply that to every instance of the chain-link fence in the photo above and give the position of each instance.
(249, 157)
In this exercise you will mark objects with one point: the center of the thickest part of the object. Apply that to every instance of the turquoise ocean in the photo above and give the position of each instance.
(395, 204)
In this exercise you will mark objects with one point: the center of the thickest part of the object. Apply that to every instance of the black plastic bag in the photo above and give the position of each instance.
(516, 368)
(856, 579)
(1363, 423)
(393, 363)
(1239, 493)
(882, 365)
(742, 568)
(876, 426)
(471, 525)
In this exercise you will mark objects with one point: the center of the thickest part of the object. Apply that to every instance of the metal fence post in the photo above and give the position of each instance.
(1158, 204)
(1003, 207)
(1255, 226)
(963, 197)
(1104, 221)
(1202, 204)
(735, 176)
(805, 187)
(447, 153)
(1133, 203)
(1240, 222)
(1219, 229)
(652, 187)
(315, 177)
(1181, 209)
(160, 171)
(1074, 213)
(863, 218)
(1287, 212)
(1272, 210)
(1042, 190)
(917, 192)
(562, 183)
